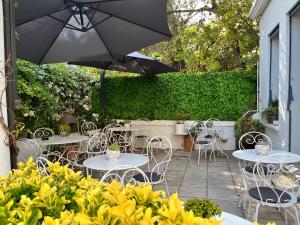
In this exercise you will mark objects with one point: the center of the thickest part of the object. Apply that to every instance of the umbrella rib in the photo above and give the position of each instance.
(63, 22)
(137, 24)
(96, 24)
(44, 15)
(54, 40)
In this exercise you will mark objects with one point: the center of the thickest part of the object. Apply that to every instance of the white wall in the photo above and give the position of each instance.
(276, 13)
(4, 150)
(167, 128)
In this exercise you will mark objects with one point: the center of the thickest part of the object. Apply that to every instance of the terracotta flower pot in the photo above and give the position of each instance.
(188, 144)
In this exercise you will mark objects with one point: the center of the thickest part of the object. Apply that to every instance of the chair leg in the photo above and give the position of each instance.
(255, 216)
(296, 215)
(199, 155)
(167, 188)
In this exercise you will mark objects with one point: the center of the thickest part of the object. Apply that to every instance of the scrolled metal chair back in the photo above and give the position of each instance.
(125, 175)
(159, 150)
(253, 138)
(88, 127)
(107, 129)
(28, 148)
(272, 173)
(43, 132)
(97, 144)
(210, 122)
(120, 140)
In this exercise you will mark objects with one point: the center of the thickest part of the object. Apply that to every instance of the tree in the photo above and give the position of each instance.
(215, 36)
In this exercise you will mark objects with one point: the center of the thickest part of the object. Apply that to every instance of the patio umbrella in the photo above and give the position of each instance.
(51, 31)
(133, 63)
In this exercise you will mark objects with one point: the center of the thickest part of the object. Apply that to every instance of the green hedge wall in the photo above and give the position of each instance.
(225, 95)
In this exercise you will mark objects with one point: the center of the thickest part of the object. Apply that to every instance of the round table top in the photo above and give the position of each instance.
(281, 156)
(230, 219)
(62, 140)
(101, 162)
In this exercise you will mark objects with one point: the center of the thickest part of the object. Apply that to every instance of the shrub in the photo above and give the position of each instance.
(204, 208)
(247, 124)
(65, 197)
(198, 96)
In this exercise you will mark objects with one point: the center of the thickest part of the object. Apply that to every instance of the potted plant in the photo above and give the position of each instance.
(113, 151)
(247, 124)
(64, 129)
(192, 135)
(179, 126)
(271, 113)
(204, 208)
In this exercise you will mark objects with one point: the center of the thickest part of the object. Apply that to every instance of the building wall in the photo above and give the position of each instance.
(276, 14)
(4, 150)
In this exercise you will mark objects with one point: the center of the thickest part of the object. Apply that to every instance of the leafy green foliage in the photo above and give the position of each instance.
(225, 96)
(47, 91)
(218, 36)
(204, 208)
(247, 124)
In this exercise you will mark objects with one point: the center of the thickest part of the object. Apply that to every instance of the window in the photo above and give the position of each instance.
(274, 65)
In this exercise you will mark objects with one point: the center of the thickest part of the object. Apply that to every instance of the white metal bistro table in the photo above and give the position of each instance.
(281, 156)
(62, 140)
(230, 219)
(102, 163)
(124, 129)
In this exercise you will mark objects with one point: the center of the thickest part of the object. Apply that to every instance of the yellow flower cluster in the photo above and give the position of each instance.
(65, 197)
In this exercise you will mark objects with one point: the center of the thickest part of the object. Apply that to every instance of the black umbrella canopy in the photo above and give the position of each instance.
(51, 31)
(133, 63)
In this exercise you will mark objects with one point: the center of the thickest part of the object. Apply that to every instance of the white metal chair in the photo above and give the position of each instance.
(121, 141)
(107, 129)
(275, 185)
(28, 148)
(43, 132)
(159, 150)
(88, 128)
(126, 174)
(97, 144)
(248, 141)
(205, 141)
(42, 164)
(77, 156)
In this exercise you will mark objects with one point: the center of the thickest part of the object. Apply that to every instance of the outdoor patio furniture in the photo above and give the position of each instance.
(124, 176)
(275, 185)
(97, 144)
(43, 133)
(42, 164)
(28, 148)
(88, 128)
(248, 141)
(159, 152)
(70, 31)
(203, 140)
(125, 161)
(123, 143)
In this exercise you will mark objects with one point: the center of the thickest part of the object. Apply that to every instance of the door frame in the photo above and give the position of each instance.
(291, 13)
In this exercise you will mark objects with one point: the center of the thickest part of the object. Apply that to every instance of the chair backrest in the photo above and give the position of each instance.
(250, 139)
(210, 122)
(107, 129)
(97, 144)
(125, 174)
(120, 140)
(88, 128)
(159, 150)
(42, 164)
(28, 148)
(272, 173)
(43, 132)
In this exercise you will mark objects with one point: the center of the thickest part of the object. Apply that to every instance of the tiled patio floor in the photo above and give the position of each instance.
(215, 180)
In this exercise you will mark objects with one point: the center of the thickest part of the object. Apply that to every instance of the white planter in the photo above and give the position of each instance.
(180, 128)
(112, 155)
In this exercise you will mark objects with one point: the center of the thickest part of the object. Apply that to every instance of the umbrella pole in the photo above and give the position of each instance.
(102, 92)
